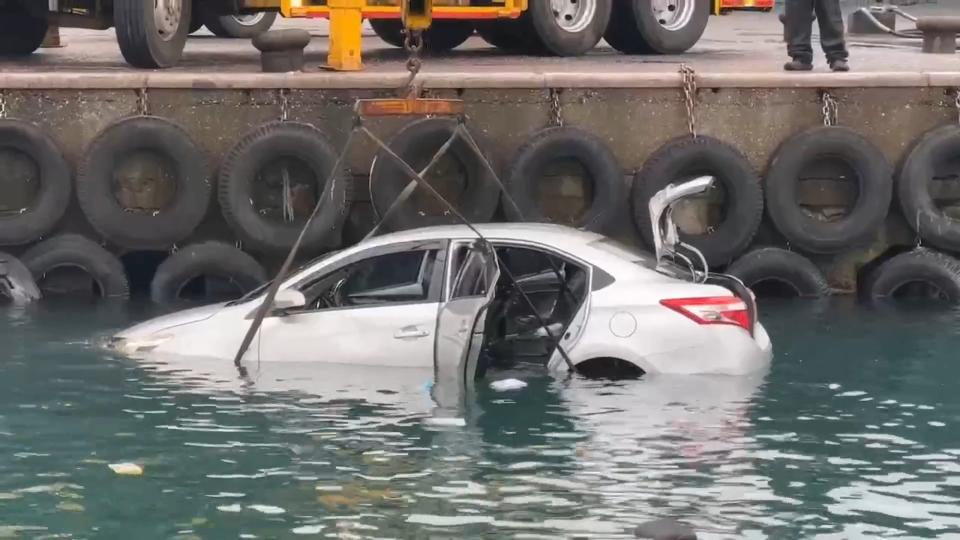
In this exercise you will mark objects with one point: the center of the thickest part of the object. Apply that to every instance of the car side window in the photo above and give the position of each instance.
(472, 278)
(403, 276)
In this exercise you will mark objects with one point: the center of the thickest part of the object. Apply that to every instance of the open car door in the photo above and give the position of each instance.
(474, 272)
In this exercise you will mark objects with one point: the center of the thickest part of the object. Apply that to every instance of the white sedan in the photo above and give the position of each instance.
(523, 293)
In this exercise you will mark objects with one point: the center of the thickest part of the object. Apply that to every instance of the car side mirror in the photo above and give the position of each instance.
(289, 299)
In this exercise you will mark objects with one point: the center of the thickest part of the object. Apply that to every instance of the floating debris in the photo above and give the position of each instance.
(505, 385)
(267, 509)
(126, 469)
(308, 529)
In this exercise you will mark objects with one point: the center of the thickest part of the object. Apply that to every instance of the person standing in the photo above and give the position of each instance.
(798, 21)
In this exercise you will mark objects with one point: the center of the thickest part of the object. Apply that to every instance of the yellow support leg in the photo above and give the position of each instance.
(346, 19)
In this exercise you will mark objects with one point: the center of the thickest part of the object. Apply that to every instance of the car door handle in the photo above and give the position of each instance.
(410, 332)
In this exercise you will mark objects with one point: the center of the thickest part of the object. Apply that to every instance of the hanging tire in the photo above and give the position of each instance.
(923, 272)
(21, 31)
(144, 184)
(637, 27)
(930, 154)
(474, 192)
(532, 161)
(688, 157)
(205, 260)
(572, 30)
(770, 265)
(874, 186)
(74, 252)
(261, 160)
(442, 36)
(240, 26)
(152, 34)
(28, 153)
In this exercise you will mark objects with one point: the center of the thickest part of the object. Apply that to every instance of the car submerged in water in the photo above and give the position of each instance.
(465, 299)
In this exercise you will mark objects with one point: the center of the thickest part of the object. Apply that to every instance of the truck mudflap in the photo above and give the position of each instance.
(739, 290)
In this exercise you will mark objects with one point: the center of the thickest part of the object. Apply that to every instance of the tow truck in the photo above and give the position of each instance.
(152, 33)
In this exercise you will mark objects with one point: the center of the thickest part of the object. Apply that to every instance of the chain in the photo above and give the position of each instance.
(3, 104)
(556, 113)
(284, 104)
(956, 103)
(413, 44)
(830, 110)
(143, 106)
(689, 81)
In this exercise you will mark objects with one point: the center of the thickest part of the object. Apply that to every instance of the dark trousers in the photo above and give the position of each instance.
(799, 26)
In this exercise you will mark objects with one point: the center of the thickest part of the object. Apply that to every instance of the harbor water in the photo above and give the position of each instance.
(851, 434)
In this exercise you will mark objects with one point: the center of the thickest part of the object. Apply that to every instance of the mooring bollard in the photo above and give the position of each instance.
(282, 50)
(665, 529)
(939, 33)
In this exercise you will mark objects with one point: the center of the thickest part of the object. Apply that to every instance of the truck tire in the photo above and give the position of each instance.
(573, 29)
(442, 36)
(240, 26)
(152, 33)
(511, 35)
(636, 27)
(21, 32)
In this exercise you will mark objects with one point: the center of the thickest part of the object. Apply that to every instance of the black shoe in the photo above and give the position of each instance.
(798, 65)
(839, 65)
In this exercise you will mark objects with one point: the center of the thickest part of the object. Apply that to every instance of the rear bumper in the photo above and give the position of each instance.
(730, 351)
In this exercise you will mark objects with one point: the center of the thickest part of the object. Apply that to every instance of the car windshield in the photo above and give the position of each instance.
(263, 287)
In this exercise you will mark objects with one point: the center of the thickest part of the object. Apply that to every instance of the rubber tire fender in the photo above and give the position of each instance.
(227, 27)
(21, 33)
(921, 264)
(205, 258)
(633, 29)
(561, 42)
(694, 156)
(913, 184)
(875, 189)
(56, 184)
(241, 167)
(787, 267)
(134, 230)
(551, 144)
(416, 143)
(80, 252)
(139, 40)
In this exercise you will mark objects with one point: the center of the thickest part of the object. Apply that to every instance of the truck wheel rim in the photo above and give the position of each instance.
(166, 16)
(574, 15)
(249, 20)
(673, 14)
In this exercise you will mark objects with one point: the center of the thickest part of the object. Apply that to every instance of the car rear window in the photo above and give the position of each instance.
(625, 251)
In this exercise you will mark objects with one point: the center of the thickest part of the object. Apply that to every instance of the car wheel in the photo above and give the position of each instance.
(21, 32)
(152, 33)
(570, 27)
(657, 26)
(241, 26)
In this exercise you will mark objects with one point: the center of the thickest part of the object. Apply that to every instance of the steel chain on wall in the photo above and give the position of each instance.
(830, 109)
(689, 85)
(556, 113)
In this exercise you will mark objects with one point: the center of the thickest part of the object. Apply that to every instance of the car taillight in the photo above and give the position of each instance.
(712, 310)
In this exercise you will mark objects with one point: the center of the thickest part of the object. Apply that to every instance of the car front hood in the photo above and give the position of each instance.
(164, 322)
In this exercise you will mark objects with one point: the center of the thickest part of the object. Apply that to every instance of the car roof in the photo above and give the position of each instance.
(546, 233)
